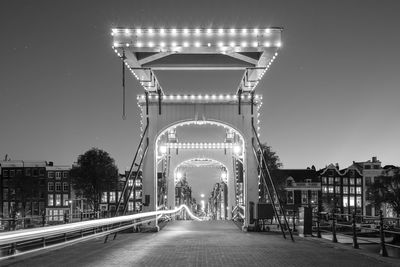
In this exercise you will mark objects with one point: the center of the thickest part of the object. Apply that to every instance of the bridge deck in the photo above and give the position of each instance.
(212, 243)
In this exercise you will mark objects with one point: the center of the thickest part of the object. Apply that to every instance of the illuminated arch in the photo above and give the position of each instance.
(201, 162)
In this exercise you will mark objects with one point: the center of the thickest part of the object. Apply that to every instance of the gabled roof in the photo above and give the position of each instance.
(298, 175)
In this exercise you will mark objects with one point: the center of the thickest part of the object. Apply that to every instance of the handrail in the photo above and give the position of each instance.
(136, 176)
(270, 195)
(271, 181)
(131, 168)
(35, 234)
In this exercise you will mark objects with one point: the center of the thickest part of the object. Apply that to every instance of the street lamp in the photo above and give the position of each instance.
(163, 150)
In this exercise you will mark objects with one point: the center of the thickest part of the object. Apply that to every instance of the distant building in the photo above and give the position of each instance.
(23, 188)
(183, 193)
(218, 201)
(302, 188)
(59, 201)
(132, 197)
(348, 187)
(34, 188)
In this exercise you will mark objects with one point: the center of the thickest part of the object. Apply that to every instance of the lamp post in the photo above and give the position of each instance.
(70, 210)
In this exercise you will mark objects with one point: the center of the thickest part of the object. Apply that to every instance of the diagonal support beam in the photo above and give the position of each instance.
(154, 57)
(243, 58)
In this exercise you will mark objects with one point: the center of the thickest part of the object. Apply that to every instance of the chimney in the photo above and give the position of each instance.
(337, 166)
(50, 163)
(374, 159)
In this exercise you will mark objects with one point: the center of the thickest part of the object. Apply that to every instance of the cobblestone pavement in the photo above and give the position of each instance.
(211, 243)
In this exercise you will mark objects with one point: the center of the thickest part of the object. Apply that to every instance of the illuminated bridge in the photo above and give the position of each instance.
(226, 139)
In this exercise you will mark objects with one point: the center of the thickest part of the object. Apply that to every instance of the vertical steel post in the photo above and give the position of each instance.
(383, 251)
(240, 101)
(355, 243)
(334, 238)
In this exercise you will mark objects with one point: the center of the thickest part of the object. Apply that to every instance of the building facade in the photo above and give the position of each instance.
(58, 195)
(296, 188)
(23, 188)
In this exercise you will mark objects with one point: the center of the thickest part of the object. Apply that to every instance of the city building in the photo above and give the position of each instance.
(218, 201)
(23, 188)
(348, 187)
(296, 188)
(58, 194)
(132, 197)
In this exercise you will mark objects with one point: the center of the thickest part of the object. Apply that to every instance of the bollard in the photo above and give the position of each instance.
(383, 251)
(318, 224)
(334, 239)
(43, 219)
(355, 243)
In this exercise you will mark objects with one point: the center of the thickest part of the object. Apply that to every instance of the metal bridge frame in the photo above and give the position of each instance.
(143, 51)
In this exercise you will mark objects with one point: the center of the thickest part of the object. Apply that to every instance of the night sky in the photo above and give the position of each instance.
(331, 96)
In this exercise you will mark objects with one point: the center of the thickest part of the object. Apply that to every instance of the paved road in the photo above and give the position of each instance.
(212, 243)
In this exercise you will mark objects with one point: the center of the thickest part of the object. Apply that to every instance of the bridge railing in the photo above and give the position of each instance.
(15, 243)
(367, 229)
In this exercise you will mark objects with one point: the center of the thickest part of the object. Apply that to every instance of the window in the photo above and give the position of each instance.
(345, 190)
(5, 183)
(50, 186)
(65, 186)
(351, 204)
(119, 196)
(130, 182)
(337, 189)
(345, 180)
(58, 175)
(28, 172)
(324, 189)
(358, 190)
(138, 183)
(330, 172)
(5, 173)
(352, 190)
(337, 180)
(5, 194)
(131, 196)
(351, 180)
(290, 197)
(304, 197)
(330, 189)
(376, 167)
(367, 167)
(358, 202)
(368, 180)
(58, 199)
(314, 197)
(65, 174)
(345, 202)
(330, 180)
(41, 172)
(138, 194)
(19, 172)
(66, 199)
(112, 197)
(50, 174)
(358, 181)
(58, 186)
(130, 206)
(323, 180)
(12, 173)
(35, 172)
(104, 197)
(50, 200)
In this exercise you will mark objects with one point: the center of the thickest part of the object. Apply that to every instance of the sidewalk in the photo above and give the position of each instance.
(211, 243)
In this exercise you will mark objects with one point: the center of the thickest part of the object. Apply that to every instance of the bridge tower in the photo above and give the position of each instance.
(144, 51)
